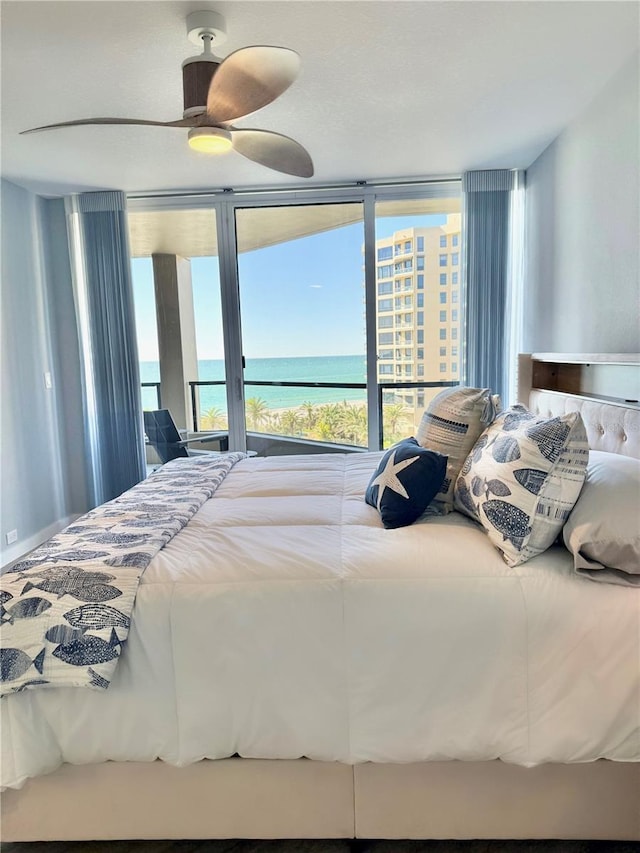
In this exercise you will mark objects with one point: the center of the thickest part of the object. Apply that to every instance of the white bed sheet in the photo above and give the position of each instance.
(284, 621)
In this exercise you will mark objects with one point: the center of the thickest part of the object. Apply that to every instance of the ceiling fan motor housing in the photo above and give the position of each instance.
(204, 28)
(196, 78)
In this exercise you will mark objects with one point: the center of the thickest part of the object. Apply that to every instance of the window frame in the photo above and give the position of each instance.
(226, 202)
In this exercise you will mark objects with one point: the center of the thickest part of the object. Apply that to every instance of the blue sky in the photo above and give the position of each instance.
(300, 298)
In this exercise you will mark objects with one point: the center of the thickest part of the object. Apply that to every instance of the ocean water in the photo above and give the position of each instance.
(334, 368)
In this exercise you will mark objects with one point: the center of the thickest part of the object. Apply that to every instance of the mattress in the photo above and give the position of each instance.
(284, 621)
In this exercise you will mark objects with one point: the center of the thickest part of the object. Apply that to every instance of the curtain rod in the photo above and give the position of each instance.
(350, 185)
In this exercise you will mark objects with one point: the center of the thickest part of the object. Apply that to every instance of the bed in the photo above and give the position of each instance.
(295, 670)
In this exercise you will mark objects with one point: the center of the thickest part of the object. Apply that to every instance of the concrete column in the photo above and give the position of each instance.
(176, 335)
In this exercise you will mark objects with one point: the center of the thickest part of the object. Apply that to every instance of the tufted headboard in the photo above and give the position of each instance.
(611, 427)
(596, 385)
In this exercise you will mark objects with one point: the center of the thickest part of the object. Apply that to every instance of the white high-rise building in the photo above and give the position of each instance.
(418, 277)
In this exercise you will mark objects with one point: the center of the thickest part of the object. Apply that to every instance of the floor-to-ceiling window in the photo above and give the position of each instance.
(176, 284)
(418, 319)
(209, 395)
(144, 301)
(303, 332)
(311, 320)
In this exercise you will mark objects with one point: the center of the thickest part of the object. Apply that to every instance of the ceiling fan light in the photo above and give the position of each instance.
(210, 140)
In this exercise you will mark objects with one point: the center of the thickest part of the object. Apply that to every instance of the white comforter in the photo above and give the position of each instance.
(284, 621)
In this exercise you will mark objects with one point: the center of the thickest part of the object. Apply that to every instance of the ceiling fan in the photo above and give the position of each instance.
(217, 92)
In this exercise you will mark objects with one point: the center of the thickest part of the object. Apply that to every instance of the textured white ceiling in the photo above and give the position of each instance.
(388, 89)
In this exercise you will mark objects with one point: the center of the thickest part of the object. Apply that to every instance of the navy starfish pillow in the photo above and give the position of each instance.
(405, 482)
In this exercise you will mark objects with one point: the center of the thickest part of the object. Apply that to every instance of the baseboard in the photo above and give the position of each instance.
(20, 549)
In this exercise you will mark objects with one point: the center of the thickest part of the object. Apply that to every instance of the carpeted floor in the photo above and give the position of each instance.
(329, 846)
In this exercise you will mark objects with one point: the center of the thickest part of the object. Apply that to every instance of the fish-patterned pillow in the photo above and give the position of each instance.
(522, 479)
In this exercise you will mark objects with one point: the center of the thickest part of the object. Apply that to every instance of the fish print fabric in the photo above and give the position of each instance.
(522, 479)
(65, 610)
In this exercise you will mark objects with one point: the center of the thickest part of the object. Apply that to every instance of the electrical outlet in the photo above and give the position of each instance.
(48, 381)
(12, 536)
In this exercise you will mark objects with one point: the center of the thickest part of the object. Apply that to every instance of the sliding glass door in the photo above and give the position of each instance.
(303, 334)
(418, 281)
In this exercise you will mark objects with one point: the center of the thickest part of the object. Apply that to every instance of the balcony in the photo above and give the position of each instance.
(294, 430)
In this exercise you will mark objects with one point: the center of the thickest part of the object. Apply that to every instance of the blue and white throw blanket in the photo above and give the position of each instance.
(65, 611)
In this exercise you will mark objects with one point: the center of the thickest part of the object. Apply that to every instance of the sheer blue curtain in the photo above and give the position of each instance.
(99, 249)
(492, 210)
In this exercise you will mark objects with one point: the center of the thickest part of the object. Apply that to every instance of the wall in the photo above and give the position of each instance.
(582, 240)
(40, 489)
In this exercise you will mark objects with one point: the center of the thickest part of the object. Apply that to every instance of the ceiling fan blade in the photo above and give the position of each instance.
(184, 122)
(250, 78)
(273, 150)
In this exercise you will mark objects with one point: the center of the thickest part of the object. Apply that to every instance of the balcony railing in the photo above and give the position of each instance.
(195, 407)
(155, 385)
(383, 388)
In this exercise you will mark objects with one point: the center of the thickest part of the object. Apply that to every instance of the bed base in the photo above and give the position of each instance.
(247, 798)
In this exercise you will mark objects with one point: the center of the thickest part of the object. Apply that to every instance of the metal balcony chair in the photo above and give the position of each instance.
(164, 437)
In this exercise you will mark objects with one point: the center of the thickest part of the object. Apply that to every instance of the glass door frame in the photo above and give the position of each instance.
(225, 202)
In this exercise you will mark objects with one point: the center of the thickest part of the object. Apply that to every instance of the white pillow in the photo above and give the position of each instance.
(451, 425)
(603, 531)
(522, 479)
